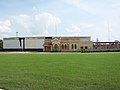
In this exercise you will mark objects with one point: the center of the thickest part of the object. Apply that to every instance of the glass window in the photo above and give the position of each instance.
(56, 47)
(72, 46)
(75, 46)
(81, 47)
(65, 46)
(86, 47)
(62, 46)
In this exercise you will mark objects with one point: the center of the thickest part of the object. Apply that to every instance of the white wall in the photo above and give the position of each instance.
(34, 42)
(30, 43)
(11, 43)
(85, 39)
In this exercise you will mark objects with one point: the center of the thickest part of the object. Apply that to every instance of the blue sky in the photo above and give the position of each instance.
(61, 17)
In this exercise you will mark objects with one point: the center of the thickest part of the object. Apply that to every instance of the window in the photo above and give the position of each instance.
(62, 46)
(72, 46)
(75, 46)
(81, 47)
(65, 46)
(56, 47)
(86, 47)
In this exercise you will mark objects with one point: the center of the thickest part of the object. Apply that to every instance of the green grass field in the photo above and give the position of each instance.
(60, 71)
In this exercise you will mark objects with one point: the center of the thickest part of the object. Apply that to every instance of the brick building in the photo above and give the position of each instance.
(67, 43)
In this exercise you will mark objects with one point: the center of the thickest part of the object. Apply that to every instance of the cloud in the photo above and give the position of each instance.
(73, 2)
(98, 13)
(37, 24)
(47, 19)
(79, 27)
(23, 21)
(86, 25)
(73, 29)
(100, 8)
(5, 28)
(80, 4)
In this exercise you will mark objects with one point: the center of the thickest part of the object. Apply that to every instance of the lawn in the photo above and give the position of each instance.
(60, 71)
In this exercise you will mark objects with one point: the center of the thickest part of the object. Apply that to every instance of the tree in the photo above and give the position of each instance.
(1, 44)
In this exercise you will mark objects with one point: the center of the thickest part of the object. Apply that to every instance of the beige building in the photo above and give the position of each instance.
(67, 43)
(48, 44)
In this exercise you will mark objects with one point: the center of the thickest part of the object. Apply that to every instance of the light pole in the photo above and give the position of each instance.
(16, 34)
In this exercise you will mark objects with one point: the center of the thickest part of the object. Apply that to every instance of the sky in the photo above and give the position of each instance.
(96, 18)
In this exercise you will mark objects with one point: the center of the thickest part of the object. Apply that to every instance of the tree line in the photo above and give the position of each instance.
(1, 44)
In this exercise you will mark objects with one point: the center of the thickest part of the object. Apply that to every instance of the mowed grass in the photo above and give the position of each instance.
(60, 71)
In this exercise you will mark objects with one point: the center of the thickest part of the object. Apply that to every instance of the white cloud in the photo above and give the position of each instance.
(47, 18)
(73, 29)
(37, 24)
(5, 28)
(86, 25)
(81, 4)
(104, 9)
(24, 21)
(79, 27)
(98, 12)
(73, 2)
